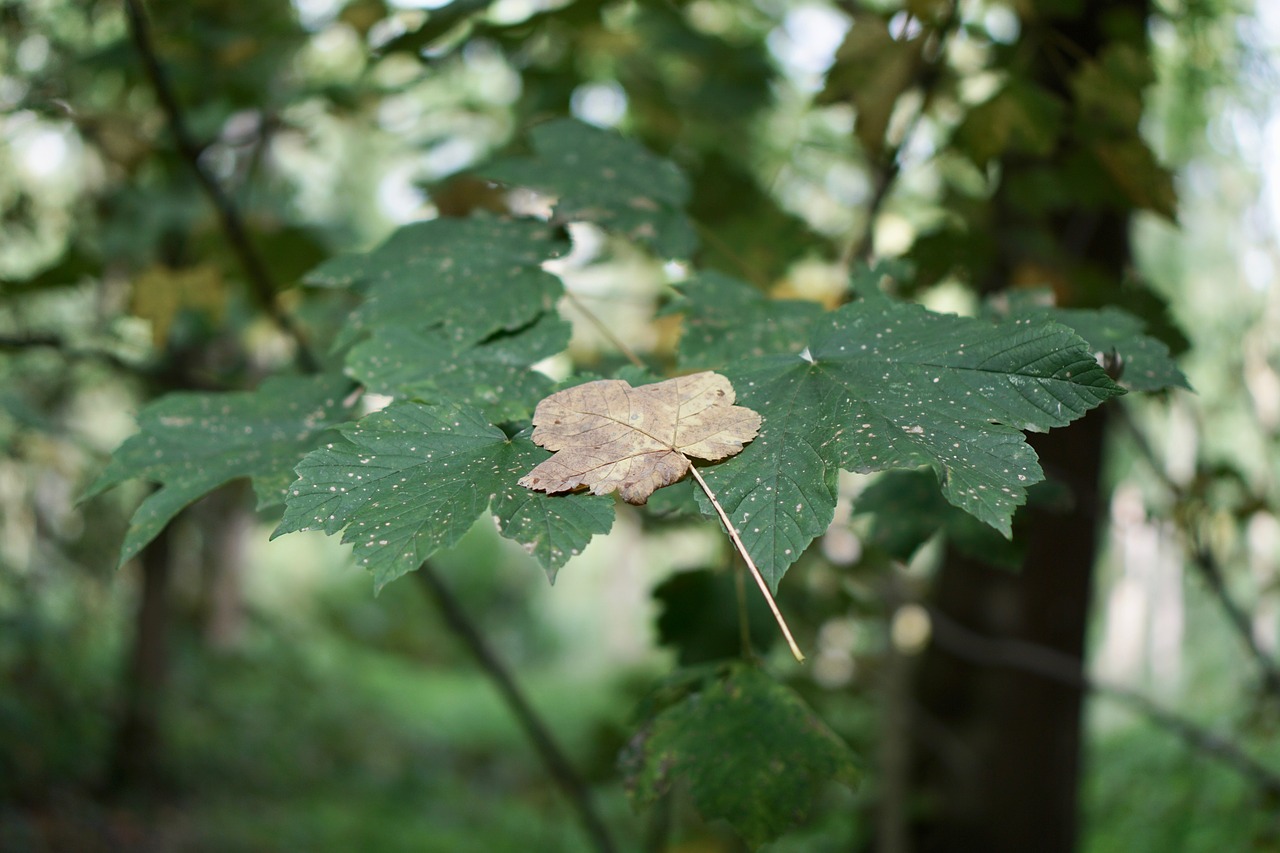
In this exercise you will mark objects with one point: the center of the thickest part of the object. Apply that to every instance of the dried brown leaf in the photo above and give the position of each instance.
(608, 435)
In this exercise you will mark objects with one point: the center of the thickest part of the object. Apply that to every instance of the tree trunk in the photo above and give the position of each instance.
(226, 523)
(996, 748)
(135, 762)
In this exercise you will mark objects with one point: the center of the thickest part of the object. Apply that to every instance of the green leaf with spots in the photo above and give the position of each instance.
(891, 385)
(470, 278)
(410, 480)
(1143, 362)
(726, 320)
(190, 444)
(750, 750)
(601, 177)
(493, 374)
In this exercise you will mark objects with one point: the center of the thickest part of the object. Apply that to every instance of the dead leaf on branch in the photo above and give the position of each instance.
(610, 436)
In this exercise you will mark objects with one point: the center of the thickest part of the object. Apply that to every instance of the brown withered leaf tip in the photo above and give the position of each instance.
(608, 435)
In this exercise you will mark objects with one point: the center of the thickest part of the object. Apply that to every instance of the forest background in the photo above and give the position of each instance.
(171, 176)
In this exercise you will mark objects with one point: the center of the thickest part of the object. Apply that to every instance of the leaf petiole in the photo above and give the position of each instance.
(755, 573)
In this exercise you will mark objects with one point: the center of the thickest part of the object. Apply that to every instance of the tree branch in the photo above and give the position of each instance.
(603, 329)
(890, 166)
(556, 762)
(1206, 563)
(261, 285)
(1064, 669)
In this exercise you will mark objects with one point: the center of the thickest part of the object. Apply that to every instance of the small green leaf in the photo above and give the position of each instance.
(892, 385)
(696, 623)
(193, 443)
(493, 374)
(471, 277)
(726, 320)
(749, 749)
(907, 511)
(601, 177)
(872, 70)
(1135, 172)
(409, 480)
(1021, 117)
(780, 492)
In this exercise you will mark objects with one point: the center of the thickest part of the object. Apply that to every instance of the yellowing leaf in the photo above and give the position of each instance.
(160, 293)
(610, 436)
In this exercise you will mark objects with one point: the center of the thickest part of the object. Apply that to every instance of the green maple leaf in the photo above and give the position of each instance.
(1145, 361)
(749, 749)
(892, 385)
(410, 480)
(601, 177)
(726, 320)
(493, 374)
(192, 443)
(470, 278)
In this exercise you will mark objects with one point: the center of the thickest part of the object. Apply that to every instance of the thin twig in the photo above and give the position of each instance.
(713, 239)
(604, 330)
(1205, 563)
(258, 276)
(1065, 669)
(890, 166)
(744, 615)
(895, 743)
(751, 564)
(553, 757)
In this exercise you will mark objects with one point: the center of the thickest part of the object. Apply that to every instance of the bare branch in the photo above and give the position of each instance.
(553, 757)
(1055, 666)
(1205, 563)
(261, 285)
(886, 172)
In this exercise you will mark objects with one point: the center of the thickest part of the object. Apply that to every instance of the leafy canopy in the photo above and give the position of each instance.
(454, 313)
(452, 316)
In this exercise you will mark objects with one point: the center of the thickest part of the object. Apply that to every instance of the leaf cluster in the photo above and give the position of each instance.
(453, 314)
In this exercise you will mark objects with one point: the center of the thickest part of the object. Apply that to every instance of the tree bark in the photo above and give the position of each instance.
(136, 752)
(996, 750)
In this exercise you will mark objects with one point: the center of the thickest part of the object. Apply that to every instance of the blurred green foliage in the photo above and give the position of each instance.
(332, 720)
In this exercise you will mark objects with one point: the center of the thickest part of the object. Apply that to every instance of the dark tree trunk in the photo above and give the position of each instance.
(226, 523)
(995, 748)
(998, 747)
(136, 752)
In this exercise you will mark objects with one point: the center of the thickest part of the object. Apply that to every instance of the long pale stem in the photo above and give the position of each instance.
(751, 564)
(603, 329)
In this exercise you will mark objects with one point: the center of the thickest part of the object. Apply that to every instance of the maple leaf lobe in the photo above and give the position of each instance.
(609, 436)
